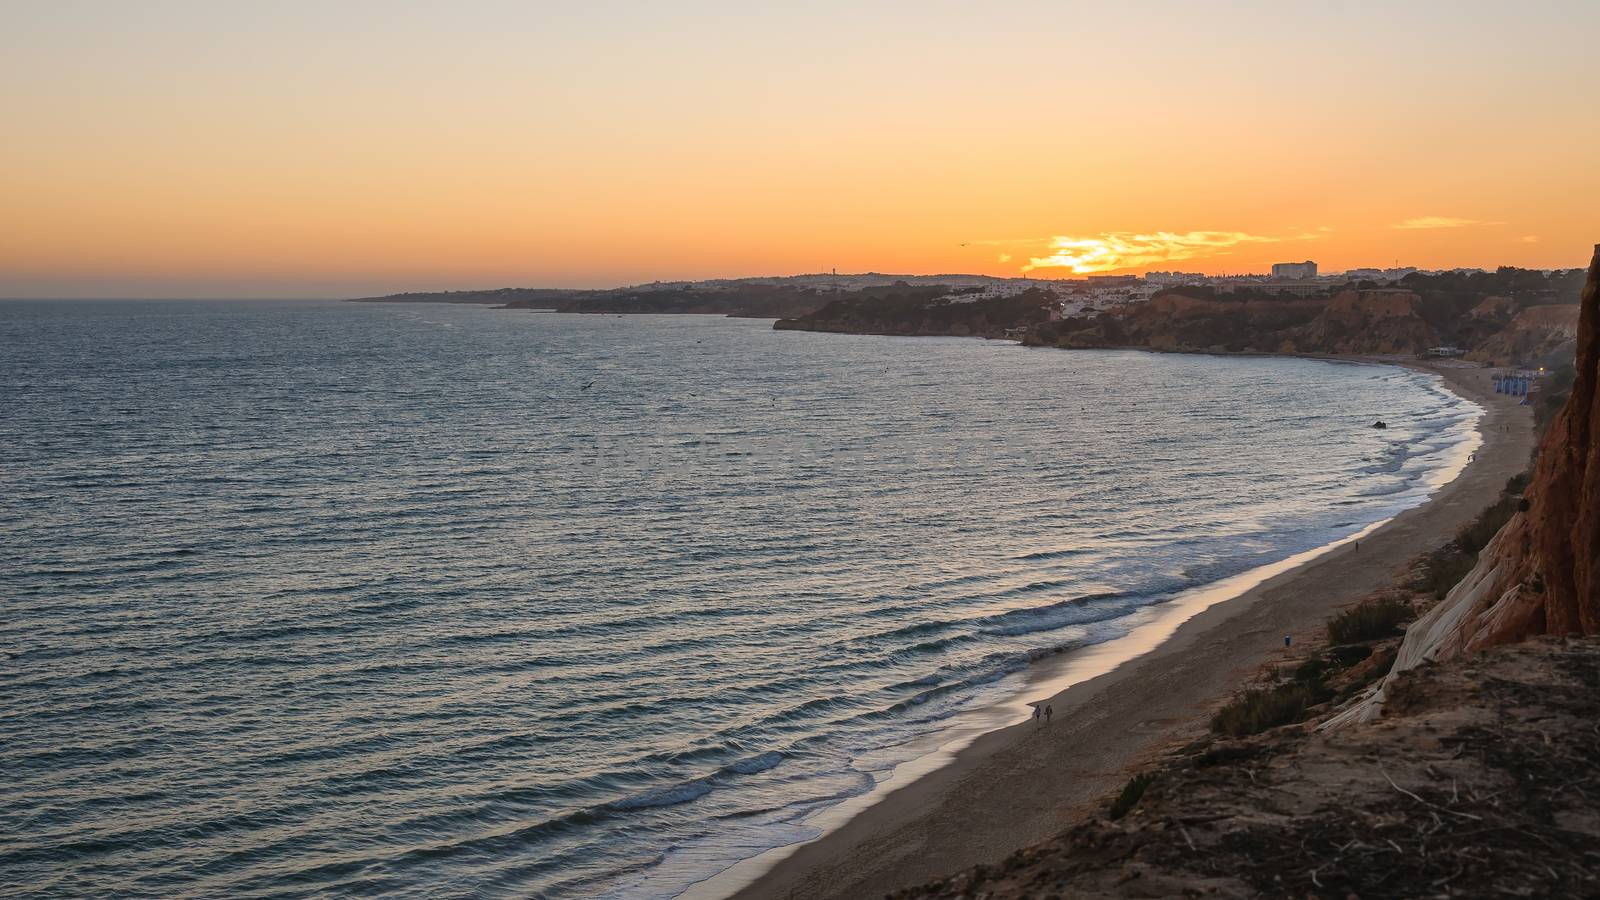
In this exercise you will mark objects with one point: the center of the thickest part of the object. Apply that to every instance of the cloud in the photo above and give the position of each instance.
(1005, 242)
(1005, 257)
(1439, 222)
(1528, 239)
(1112, 250)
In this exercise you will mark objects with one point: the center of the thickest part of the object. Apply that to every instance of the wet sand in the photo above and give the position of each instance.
(1022, 784)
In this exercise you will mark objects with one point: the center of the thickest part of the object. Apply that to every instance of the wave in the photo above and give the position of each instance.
(670, 795)
(1073, 611)
(761, 762)
(1044, 555)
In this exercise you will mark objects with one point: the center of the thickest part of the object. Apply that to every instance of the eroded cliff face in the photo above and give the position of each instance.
(1380, 322)
(1178, 322)
(1536, 333)
(1538, 576)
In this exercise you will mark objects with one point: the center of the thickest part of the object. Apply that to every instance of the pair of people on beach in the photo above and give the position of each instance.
(1046, 711)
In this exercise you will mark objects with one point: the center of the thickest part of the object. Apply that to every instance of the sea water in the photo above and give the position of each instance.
(434, 600)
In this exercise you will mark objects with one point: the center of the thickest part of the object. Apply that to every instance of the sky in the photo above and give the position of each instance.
(342, 148)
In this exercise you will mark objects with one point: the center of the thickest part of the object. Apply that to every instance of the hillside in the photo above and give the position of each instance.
(751, 300)
(925, 311)
(1370, 322)
(1538, 335)
(1511, 316)
(1480, 784)
(792, 297)
(757, 301)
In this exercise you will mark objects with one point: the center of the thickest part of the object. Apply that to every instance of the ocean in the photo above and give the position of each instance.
(433, 600)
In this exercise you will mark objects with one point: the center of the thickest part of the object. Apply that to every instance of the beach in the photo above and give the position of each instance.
(1023, 783)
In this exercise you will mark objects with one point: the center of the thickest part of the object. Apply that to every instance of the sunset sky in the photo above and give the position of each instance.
(335, 148)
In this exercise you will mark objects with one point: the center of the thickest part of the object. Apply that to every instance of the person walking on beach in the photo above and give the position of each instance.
(1048, 712)
(1036, 712)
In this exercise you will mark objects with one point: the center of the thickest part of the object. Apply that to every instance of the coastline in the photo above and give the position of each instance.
(1017, 784)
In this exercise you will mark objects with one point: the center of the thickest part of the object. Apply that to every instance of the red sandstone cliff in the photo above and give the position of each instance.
(1531, 336)
(1367, 322)
(1541, 574)
(1377, 322)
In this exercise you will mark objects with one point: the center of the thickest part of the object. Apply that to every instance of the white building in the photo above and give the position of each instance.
(1297, 271)
(1174, 278)
(1365, 275)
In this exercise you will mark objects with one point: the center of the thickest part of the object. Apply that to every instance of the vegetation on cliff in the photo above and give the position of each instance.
(1480, 783)
(1512, 316)
(924, 311)
(749, 300)
(757, 301)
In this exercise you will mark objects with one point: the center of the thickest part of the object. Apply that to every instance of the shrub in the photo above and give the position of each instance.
(1369, 621)
(1312, 671)
(1257, 710)
(1347, 655)
(1553, 395)
(1131, 792)
(1481, 531)
(1443, 570)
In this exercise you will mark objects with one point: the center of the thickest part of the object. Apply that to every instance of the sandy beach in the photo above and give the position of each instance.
(1022, 784)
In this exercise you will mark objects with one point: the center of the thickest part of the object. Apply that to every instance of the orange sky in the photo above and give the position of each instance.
(345, 148)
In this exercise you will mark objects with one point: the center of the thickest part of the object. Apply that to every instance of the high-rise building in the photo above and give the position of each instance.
(1307, 269)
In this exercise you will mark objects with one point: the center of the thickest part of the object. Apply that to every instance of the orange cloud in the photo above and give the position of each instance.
(1114, 250)
(1439, 222)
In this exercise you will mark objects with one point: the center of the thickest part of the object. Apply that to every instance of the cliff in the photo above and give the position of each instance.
(925, 312)
(1377, 322)
(743, 299)
(1185, 321)
(1538, 575)
(1537, 335)
(1372, 322)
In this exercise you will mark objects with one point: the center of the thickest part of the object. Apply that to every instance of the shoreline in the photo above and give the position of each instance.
(987, 790)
